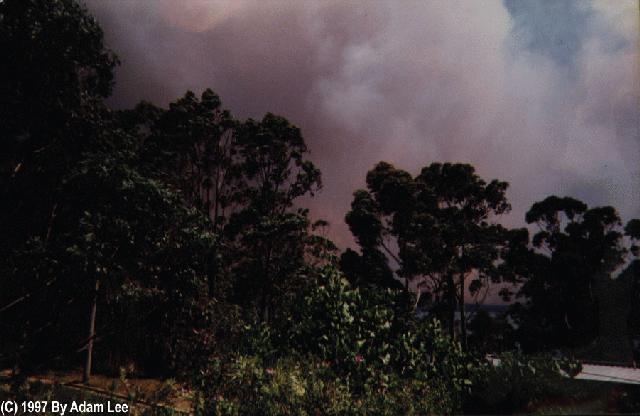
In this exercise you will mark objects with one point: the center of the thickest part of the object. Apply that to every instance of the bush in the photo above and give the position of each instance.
(365, 331)
(517, 382)
(311, 387)
(343, 351)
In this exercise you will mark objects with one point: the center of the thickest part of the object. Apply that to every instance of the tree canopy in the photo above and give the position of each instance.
(583, 267)
(439, 227)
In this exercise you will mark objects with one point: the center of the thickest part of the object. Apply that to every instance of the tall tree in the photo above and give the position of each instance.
(193, 146)
(128, 225)
(58, 71)
(246, 176)
(113, 233)
(49, 120)
(436, 226)
(82, 226)
(583, 274)
(270, 234)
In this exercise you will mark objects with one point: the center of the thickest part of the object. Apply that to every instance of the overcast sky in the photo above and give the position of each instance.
(542, 94)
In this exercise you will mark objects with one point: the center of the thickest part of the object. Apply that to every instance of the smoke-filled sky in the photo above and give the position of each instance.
(542, 94)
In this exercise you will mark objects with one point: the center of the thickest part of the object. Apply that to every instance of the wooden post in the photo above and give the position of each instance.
(92, 332)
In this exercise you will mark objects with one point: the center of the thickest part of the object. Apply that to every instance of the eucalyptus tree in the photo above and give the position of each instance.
(246, 176)
(56, 73)
(193, 146)
(128, 227)
(84, 228)
(438, 227)
(271, 234)
(125, 221)
(580, 288)
(56, 70)
(109, 247)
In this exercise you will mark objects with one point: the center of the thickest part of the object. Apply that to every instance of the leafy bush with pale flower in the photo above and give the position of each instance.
(246, 386)
(343, 351)
(374, 333)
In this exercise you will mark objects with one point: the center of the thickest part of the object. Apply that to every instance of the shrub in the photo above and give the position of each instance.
(311, 387)
(343, 351)
(516, 382)
(369, 332)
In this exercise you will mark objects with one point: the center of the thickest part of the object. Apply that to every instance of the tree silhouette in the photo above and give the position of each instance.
(440, 222)
(579, 287)
(269, 234)
(83, 226)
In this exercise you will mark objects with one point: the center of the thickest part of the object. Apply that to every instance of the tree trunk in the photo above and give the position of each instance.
(92, 332)
(463, 320)
(614, 309)
(264, 314)
(452, 306)
(265, 302)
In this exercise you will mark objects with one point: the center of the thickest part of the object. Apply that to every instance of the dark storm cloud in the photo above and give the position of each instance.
(464, 81)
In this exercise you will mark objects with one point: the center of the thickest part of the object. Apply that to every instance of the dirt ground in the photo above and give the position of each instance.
(142, 390)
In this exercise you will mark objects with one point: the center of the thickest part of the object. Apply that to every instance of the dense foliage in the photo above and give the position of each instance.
(345, 350)
(579, 284)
